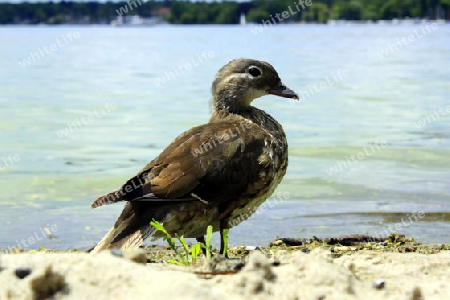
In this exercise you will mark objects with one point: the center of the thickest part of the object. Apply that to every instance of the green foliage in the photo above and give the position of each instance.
(225, 12)
(195, 251)
(257, 15)
(188, 257)
(225, 242)
(371, 12)
(207, 248)
(229, 14)
(185, 261)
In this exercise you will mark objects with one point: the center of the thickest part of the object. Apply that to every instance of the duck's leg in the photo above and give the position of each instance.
(222, 240)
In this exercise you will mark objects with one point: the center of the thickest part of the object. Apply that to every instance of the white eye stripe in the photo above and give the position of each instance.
(244, 75)
(237, 75)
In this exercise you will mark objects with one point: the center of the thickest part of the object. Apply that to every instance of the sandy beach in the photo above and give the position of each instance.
(297, 275)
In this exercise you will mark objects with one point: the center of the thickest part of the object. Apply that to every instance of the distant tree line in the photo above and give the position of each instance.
(226, 12)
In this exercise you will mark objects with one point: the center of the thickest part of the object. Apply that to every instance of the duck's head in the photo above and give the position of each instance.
(242, 80)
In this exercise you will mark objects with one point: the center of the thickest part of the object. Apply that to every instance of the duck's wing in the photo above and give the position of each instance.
(211, 163)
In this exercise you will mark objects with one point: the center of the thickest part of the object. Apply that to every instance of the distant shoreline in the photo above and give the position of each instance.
(152, 12)
(329, 23)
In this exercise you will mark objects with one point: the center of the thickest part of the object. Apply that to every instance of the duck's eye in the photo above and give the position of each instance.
(254, 71)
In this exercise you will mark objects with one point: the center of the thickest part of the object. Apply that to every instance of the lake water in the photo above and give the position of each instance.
(85, 108)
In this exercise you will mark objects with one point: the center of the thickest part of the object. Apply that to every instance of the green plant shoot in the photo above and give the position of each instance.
(225, 242)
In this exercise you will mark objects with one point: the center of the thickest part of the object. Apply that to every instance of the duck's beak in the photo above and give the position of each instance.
(283, 91)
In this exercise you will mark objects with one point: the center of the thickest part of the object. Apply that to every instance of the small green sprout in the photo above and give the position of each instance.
(189, 257)
(171, 242)
(186, 258)
(207, 248)
(225, 242)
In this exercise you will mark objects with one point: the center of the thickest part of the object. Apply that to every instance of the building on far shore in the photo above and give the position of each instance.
(137, 21)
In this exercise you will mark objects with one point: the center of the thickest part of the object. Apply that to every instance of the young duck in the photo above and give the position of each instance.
(212, 174)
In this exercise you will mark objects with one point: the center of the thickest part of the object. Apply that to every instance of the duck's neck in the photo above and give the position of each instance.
(256, 115)
(226, 100)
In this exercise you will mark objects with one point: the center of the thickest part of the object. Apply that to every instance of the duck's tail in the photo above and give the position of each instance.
(129, 231)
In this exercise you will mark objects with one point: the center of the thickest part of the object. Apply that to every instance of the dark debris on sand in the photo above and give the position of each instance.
(353, 243)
